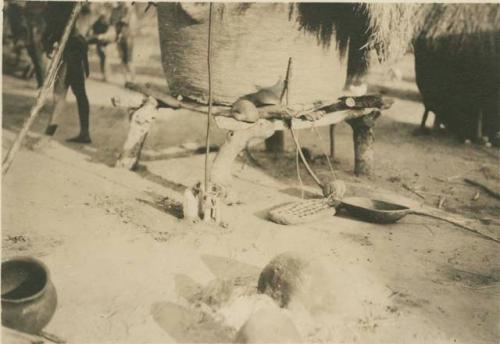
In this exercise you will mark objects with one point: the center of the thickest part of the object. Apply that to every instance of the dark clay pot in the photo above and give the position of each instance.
(29, 298)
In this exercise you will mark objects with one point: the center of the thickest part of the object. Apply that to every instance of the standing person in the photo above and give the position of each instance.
(124, 20)
(17, 26)
(35, 26)
(98, 36)
(75, 67)
(26, 26)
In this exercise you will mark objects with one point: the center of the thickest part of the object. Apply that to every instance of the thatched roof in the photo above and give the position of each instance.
(388, 28)
(473, 28)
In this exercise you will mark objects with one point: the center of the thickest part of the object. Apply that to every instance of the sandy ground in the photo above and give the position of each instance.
(128, 270)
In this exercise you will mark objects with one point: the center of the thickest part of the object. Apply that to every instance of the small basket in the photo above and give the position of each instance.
(302, 212)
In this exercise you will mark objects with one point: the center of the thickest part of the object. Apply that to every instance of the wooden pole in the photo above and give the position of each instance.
(276, 143)
(209, 117)
(236, 141)
(332, 141)
(140, 124)
(363, 142)
(42, 94)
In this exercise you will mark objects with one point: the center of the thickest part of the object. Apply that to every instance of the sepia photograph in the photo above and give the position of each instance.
(250, 172)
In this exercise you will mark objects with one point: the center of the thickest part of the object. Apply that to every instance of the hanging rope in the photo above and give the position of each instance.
(209, 117)
(297, 166)
(306, 164)
(286, 100)
(322, 141)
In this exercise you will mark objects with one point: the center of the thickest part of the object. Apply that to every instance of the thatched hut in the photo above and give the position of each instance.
(457, 64)
(252, 43)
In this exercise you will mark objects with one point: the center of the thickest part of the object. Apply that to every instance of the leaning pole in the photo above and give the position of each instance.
(42, 94)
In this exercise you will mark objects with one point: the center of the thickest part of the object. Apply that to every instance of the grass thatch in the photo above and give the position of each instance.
(356, 28)
(388, 28)
(473, 28)
(359, 28)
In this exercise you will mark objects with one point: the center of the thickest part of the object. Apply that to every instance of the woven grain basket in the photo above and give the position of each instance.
(250, 50)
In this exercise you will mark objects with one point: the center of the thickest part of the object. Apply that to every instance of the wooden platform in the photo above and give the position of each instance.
(359, 112)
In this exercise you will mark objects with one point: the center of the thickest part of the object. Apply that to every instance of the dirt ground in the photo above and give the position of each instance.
(127, 269)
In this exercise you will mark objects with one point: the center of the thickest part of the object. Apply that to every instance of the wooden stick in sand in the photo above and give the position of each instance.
(42, 94)
(489, 189)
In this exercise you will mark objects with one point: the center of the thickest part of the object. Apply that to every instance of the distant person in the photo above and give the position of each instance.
(75, 67)
(98, 36)
(123, 19)
(27, 25)
(35, 24)
(15, 16)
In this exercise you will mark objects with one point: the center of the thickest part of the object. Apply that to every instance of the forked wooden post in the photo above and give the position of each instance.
(362, 128)
(140, 123)
(235, 142)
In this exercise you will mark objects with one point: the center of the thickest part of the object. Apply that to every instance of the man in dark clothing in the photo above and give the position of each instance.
(35, 24)
(74, 69)
(98, 37)
(124, 20)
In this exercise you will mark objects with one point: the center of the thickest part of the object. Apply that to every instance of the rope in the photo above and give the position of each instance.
(298, 173)
(322, 141)
(209, 63)
(286, 91)
(306, 164)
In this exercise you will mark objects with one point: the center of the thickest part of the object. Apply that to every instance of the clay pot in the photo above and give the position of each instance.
(29, 298)
(292, 278)
(283, 277)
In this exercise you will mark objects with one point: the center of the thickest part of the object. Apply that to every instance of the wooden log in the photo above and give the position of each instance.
(277, 111)
(235, 142)
(166, 100)
(131, 102)
(140, 123)
(296, 123)
(363, 142)
(162, 97)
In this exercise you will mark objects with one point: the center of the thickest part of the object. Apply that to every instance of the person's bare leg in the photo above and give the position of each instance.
(60, 91)
(101, 52)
